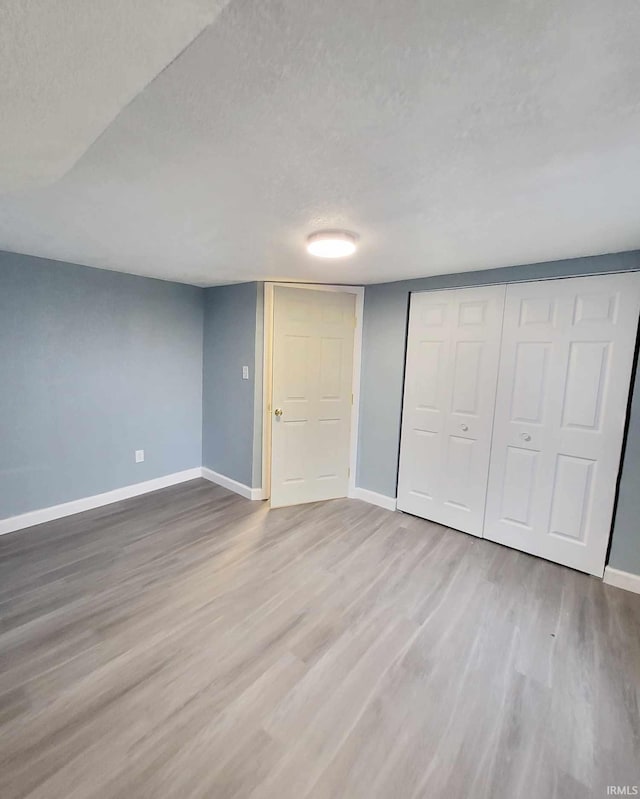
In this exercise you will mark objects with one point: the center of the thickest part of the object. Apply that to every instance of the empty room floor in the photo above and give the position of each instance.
(191, 643)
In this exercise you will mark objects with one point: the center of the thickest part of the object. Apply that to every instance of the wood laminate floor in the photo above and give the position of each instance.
(192, 643)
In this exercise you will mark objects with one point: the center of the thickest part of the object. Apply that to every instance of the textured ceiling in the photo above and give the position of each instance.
(67, 69)
(450, 135)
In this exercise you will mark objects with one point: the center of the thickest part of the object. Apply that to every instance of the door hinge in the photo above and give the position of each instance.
(349, 471)
(352, 399)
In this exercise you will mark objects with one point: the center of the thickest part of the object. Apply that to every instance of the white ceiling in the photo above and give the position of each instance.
(451, 135)
(68, 68)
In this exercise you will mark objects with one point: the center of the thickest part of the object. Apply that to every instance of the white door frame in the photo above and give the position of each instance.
(267, 376)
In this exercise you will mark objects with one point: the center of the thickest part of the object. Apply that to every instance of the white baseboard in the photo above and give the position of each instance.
(620, 579)
(383, 501)
(233, 485)
(96, 501)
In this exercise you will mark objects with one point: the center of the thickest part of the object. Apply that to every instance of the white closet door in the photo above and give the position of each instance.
(567, 354)
(449, 395)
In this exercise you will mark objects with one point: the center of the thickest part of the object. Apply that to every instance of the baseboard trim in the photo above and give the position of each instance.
(233, 485)
(373, 498)
(34, 517)
(620, 579)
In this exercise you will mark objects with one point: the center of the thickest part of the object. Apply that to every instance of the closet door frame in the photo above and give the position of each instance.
(543, 279)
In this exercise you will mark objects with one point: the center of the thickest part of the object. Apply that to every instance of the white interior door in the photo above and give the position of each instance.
(567, 354)
(449, 395)
(313, 336)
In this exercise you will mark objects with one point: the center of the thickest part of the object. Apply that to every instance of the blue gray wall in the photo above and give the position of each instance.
(384, 333)
(93, 365)
(625, 543)
(229, 402)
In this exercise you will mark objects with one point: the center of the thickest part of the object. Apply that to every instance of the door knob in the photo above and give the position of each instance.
(278, 411)
(464, 427)
(525, 436)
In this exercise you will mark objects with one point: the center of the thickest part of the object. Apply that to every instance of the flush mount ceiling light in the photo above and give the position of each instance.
(331, 244)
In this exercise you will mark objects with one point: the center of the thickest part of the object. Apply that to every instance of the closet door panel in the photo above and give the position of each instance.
(565, 367)
(451, 370)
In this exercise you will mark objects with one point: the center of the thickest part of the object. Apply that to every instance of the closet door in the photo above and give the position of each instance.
(565, 366)
(449, 395)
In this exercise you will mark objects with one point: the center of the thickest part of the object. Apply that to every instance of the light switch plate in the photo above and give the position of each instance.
(245, 372)
(139, 455)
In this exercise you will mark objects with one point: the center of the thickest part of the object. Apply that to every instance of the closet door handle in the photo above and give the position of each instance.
(525, 436)
(464, 427)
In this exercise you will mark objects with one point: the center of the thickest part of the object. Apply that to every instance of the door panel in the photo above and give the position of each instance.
(585, 384)
(297, 351)
(460, 461)
(451, 369)
(429, 381)
(466, 377)
(571, 496)
(565, 366)
(530, 381)
(313, 335)
(519, 485)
